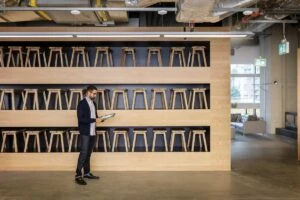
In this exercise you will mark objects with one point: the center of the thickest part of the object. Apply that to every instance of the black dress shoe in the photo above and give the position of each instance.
(80, 181)
(90, 176)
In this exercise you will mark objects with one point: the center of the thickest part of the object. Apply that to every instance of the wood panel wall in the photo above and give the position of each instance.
(217, 117)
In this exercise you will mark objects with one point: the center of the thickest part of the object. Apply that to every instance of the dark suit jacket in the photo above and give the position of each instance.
(84, 117)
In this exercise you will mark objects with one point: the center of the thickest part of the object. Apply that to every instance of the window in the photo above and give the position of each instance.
(245, 88)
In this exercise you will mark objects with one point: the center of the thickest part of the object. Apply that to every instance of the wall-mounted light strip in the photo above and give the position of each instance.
(126, 34)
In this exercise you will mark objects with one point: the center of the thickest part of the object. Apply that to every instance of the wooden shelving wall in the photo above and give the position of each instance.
(217, 117)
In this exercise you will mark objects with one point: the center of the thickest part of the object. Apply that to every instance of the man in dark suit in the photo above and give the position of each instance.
(86, 114)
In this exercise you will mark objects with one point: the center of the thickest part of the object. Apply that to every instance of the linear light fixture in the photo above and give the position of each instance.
(125, 34)
(209, 35)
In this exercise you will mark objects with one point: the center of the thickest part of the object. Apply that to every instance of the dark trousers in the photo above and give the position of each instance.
(87, 144)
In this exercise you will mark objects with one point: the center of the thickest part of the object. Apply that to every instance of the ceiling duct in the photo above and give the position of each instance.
(199, 11)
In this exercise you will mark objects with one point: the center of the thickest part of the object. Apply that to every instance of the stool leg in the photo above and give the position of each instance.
(134, 141)
(62, 142)
(38, 143)
(145, 100)
(133, 100)
(173, 100)
(193, 143)
(200, 100)
(27, 58)
(15, 143)
(61, 58)
(21, 59)
(193, 99)
(12, 100)
(104, 142)
(46, 139)
(108, 140)
(165, 100)
(70, 100)
(3, 142)
(204, 58)
(180, 59)
(185, 101)
(72, 57)
(133, 57)
(159, 59)
(153, 142)
(149, 57)
(204, 141)
(153, 100)
(114, 143)
(189, 139)
(111, 59)
(26, 142)
(171, 59)
(183, 142)
(166, 144)
(172, 142)
(146, 142)
(193, 59)
(25, 100)
(71, 142)
(45, 60)
(113, 101)
(96, 58)
(50, 58)
(87, 59)
(50, 143)
(2, 101)
(126, 142)
(205, 102)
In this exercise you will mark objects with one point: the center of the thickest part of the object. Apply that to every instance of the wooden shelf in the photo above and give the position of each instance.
(116, 161)
(123, 118)
(105, 75)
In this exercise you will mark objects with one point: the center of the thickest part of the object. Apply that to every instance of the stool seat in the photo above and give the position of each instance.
(103, 51)
(105, 137)
(4, 137)
(58, 51)
(144, 134)
(26, 93)
(74, 134)
(180, 52)
(36, 134)
(128, 51)
(144, 94)
(163, 94)
(154, 51)
(183, 97)
(7, 91)
(19, 54)
(198, 51)
(201, 94)
(124, 93)
(201, 134)
(164, 134)
(125, 134)
(181, 133)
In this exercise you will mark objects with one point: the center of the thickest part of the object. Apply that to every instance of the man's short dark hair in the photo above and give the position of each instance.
(91, 88)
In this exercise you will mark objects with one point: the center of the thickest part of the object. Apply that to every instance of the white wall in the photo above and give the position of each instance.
(245, 55)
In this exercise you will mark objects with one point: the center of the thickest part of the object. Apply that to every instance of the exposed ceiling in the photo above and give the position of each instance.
(197, 12)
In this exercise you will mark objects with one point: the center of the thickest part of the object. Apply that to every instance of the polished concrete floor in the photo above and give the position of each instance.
(264, 167)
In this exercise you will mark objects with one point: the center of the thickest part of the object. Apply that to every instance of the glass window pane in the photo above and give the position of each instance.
(242, 69)
(242, 90)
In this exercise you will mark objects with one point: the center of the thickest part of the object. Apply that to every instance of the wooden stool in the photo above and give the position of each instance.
(200, 133)
(1, 57)
(164, 134)
(25, 94)
(181, 133)
(135, 134)
(114, 101)
(103, 94)
(182, 93)
(73, 92)
(77, 51)
(162, 92)
(103, 51)
(36, 52)
(74, 134)
(7, 133)
(2, 102)
(154, 51)
(58, 52)
(139, 91)
(127, 51)
(57, 134)
(105, 137)
(36, 134)
(180, 52)
(192, 97)
(125, 134)
(197, 50)
(57, 95)
(19, 54)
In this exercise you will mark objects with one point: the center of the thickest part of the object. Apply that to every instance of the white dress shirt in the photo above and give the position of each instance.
(93, 116)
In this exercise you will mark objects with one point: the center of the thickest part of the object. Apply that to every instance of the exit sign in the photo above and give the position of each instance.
(284, 48)
(261, 62)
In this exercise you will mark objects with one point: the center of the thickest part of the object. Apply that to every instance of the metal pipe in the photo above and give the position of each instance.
(274, 21)
(86, 9)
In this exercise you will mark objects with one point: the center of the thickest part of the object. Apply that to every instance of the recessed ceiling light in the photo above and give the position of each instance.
(75, 12)
(248, 12)
(162, 12)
